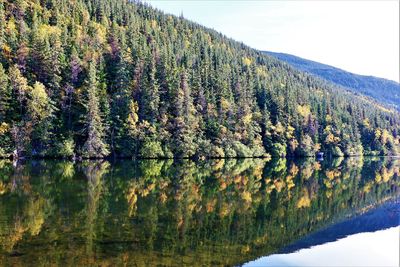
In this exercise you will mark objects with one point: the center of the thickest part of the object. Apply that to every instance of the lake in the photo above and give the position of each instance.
(248, 212)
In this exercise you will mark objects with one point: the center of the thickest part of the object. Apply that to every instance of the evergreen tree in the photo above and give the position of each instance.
(163, 86)
(95, 145)
(5, 94)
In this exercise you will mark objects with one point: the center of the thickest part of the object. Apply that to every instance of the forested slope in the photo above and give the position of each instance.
(383, 90)
(100, 78)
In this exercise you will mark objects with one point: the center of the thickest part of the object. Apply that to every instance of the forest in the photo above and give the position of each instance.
(117, 78)
(383, 90)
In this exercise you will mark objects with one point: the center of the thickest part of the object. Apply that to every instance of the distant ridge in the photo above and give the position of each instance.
(383, 90)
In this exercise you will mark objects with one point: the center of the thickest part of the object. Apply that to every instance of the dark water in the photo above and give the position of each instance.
(222, 212)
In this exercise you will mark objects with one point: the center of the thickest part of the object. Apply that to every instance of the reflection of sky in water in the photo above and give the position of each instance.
(380, 248)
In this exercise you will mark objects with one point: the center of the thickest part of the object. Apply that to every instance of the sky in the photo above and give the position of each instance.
(358, 36)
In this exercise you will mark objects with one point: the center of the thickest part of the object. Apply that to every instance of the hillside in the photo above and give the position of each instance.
(99, 78)
(383, 90)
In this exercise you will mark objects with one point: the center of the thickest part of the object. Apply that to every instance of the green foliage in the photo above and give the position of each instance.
(94, 147)
(121, 78)
(337, 152)
(151, 149)
(65, 148)
(306, 147)
(278, 150)
(242, 150)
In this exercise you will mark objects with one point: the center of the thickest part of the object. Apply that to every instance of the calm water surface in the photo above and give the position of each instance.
(222, 212)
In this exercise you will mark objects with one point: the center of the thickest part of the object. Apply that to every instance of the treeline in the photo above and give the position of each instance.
(101, 78)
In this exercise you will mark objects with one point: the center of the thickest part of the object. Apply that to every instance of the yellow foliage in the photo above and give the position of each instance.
(317, 166)
(219, 164)
(222, 185)
(154, 24)
(133, 117)
(279, 185)
(331, 139)
(151, 187)
(132, 199)
(293, 169)
(246, 196)
(261, 71)
(328, 118)
(289, 132)
(289, 182)
(101, 33)
(304, 201)
(11, 27)
(163, 197)
(47, 30)
(366, 123)
(304, 110)
(317, 146)
(378, 177)
(39, 105)
(247, 61)
(332, 174)
(187, 43)
(386, 174)
(306, 172)
(211, 205)
(367, 187)
(4, 128)
(378, 133)
(247, 118)
(328, 194)
(3, 188)
(279, 128)
(6, 51)
(385, 136)
(245, 249)
(225, 105)
(224, 210)
(237, 179)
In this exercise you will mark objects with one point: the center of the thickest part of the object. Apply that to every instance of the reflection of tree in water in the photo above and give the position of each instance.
(28, 208)
(172, 212)
(94, 172)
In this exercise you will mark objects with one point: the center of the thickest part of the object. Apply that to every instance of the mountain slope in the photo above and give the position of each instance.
(383, 90)
(101, 78)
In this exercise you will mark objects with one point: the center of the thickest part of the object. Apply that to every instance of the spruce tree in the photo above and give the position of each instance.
(95, 146)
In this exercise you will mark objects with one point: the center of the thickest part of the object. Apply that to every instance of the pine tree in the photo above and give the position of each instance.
(2, 31)
(95, 145)
(164, 86)
(5, 94)
(150, 96)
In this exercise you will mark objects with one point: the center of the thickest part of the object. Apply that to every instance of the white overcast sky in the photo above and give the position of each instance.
(357, 36)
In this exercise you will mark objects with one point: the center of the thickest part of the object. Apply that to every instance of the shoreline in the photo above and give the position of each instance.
(269, 158)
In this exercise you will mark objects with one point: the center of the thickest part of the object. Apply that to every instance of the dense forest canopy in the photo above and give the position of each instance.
(114, 77)
(383, 90)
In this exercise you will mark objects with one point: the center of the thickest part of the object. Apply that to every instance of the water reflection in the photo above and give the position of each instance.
(223, 212)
